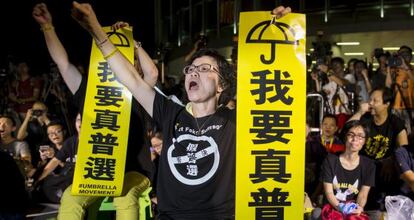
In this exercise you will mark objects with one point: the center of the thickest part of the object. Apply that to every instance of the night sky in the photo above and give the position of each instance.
(21, 35)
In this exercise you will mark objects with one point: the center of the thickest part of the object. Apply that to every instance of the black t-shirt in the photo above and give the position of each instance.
(196, 173)
(382, 140)
(348, 183)
(68, 152)
(138, 154)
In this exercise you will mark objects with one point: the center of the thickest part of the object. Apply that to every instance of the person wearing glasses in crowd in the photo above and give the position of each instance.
(347, 178)
(196, 176)
(386, 133)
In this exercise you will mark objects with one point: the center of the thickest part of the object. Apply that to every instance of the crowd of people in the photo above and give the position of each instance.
(360, 155)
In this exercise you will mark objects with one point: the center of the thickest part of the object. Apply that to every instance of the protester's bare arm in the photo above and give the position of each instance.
(402, 138)
(330, 196)
(53, 163)
(408, 177)
(70, 73)
(362, 199)
(145, 62)
(363, 108)
(124, 70)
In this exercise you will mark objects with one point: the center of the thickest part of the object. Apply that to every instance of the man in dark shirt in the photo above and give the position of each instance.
(386, 134)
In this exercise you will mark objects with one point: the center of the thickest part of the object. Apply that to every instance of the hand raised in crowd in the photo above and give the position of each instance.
(364, 73)
(41, 14)
(364, 108)
(324, 68)
(281, 11)
(29, 113)
(119, 25)
(84, 15)
(315, 76)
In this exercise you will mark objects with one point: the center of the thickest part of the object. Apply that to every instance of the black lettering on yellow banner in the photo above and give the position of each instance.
(101, 156)
(271, 99)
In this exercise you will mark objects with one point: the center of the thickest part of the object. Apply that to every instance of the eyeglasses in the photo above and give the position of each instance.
(352, 135)
(58, 132)
(157, 145)
(202, 68)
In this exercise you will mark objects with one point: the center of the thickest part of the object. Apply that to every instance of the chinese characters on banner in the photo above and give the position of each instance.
(271, 108)
(100, 162)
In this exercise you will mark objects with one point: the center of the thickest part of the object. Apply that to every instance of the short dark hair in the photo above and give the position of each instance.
(406, 48)
(54, 123)
(353, 124)
(387, 94)
(10, 118)
(338, 60)
(362, 62)
(227, 75)
(330, 116)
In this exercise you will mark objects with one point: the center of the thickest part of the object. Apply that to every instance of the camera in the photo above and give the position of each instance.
(378, 52)
(394, 61)
(37, 112)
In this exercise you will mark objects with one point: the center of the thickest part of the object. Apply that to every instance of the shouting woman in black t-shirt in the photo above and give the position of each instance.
(347, 178)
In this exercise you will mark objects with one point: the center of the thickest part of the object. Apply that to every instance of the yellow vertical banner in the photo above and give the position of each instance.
(271, 103)
(100, 162)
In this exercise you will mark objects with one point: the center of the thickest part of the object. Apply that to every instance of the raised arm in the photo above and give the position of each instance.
(124, 70)
(363, 108)
(70, 73)
(144, 62)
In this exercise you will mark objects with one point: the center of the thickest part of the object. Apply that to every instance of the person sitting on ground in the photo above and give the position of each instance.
(386, 134)
(347, 178)
(19, 150)
(317, 148)
(56, 135)
(56, 183)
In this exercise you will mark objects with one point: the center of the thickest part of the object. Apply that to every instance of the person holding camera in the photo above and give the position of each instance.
(200, 43)
(34, 129)
(337, 98)
(400, 78)
(379, 75)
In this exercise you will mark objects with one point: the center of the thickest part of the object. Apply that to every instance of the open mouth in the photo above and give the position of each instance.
(193, 85)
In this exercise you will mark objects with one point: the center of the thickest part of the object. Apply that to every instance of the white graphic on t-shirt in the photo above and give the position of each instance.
(341, 196)
(191, 158)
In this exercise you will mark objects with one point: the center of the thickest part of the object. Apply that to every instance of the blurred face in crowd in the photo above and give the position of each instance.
(329, 127)
(377, 104)
(359, 67)
(355, 139)
(405, 54)
(337, 67)
(78, 123)
(202, 80)
(6, 127)
(22, 68)
(55, 134)
(156, 144)
(39, 107)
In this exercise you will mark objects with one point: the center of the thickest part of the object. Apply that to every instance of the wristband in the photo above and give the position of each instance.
(47, 27)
